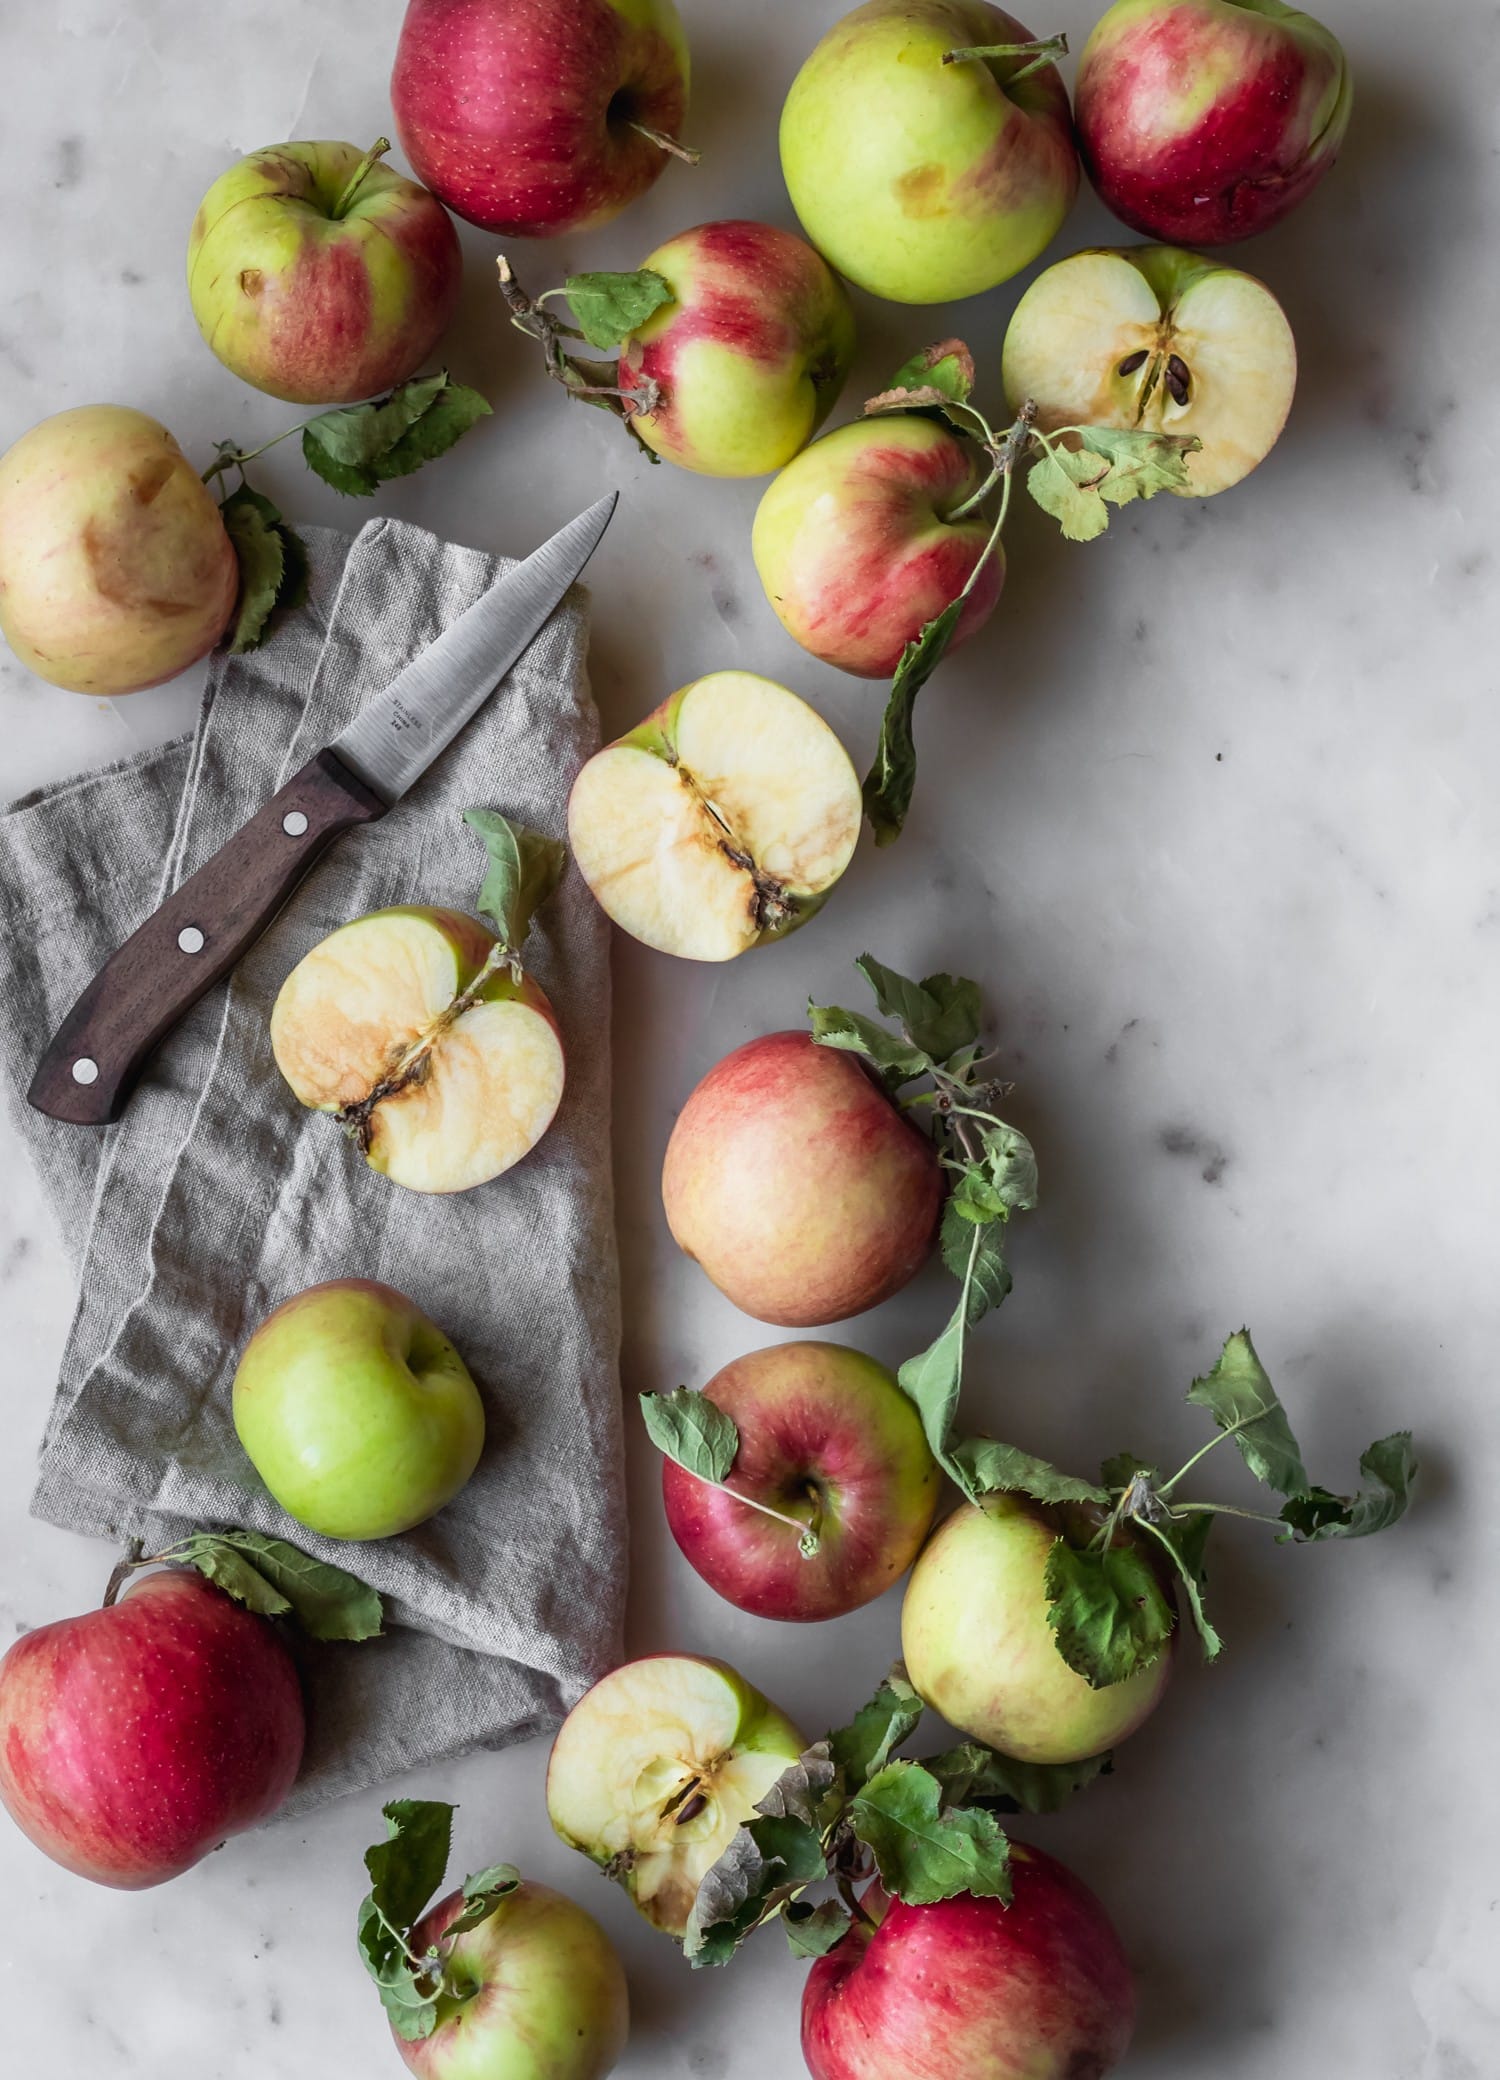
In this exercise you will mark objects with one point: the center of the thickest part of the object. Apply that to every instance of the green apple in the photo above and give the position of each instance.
(720, 822)
(356, 1411)
(979, 1649)
(924, 165)
(1155, 337)
(656, 1768)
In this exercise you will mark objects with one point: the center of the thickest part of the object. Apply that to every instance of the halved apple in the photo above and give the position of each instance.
(418, 1030)
(721, 821)
(656, 1768)
(1158, 338)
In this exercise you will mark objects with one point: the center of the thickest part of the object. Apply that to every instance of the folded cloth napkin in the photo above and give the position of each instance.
(217, 1196)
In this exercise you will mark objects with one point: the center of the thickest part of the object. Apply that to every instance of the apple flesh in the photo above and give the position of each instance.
(720, 822)
(135, 1739)
(972, 1989)
(856, 549)
(319, 282)
(749, 355)
(527, 117)
(798, 1186)
(116, 572)
(549, 2000)
(356, 1411)
(446, 1067)
(921, 180)
(978, 1647)
(828, 1438)
(1154, 337)
(1206, 121)
(656, 1768)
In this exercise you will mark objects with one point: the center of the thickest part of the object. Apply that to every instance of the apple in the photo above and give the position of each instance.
(115, 568)
(828, 1438)
(720, 822)
(548, 1998)
(539, 117)
(748, 356)
(136, 1738)
(409, 1027)
(856, 548)
(798, 1186)
(656, 1768)
(919, 179)
(978, 1648)
(972, 1989)
(356, 1411)
(1155, 337)
(319, 275)
(1206, 121)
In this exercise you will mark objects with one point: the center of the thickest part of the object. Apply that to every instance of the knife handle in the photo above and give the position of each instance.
(191, 942)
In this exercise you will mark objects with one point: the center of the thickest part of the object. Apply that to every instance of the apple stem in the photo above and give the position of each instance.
(855, 1905)
(1041, 51)
(122, 1571)
(356, 179)
(1164, 1488)
(664, 143)
(1224, 1509)
(809, 1527)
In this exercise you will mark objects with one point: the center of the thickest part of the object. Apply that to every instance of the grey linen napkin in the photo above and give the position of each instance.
(217, 1196)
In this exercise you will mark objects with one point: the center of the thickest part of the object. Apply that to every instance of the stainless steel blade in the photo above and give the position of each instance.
(398, 733)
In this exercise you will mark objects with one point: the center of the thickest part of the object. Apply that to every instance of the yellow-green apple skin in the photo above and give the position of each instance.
(855, 548)
(1162, 339)
(115, 569)
(978, 1648)
(313, 299)
(356, 1411)
(657, 1767)
(919, 180)
(549, 2000)
(749, 355)
(1206, 121)
(827, 1437)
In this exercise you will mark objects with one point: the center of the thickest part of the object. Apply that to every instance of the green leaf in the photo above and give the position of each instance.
(1242, 1400)
(359, 447)
(1001, 1468)
(524, 870)
(483, 1892)
(768, 1861)
(410, 2006)
(1389, 1468)
(693, 1430)
(923, 1852)
(897, 1060)
(939, 1015)
(272, 565)
(939, 375)
(1184, 1539)
(1122, 1469)
(1067, 486)
(272, 1576)
(812, 1931)
(1141, 463)
(971, 1771)
(1010, 1167)
(450, 415)
(933, 1379)
(865, 1745)
(807, 1789)
(405, 1871)
(1108, 1611)
(890, 780)
(609, 307)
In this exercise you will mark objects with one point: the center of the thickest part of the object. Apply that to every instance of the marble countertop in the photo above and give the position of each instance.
(1212, 810)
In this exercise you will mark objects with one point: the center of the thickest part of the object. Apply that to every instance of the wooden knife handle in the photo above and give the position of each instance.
(191, 942)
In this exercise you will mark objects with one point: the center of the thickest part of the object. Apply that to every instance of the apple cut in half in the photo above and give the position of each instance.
(655, 1769)
(1161, 339)
(721, 821)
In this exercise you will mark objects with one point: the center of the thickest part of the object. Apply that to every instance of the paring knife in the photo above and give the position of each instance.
(200, 931)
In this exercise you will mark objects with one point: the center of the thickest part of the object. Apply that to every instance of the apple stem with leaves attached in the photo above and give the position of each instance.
(1042, 50)
(698, 1436)
(405, 1870)
(608, 307)
(267, 1575)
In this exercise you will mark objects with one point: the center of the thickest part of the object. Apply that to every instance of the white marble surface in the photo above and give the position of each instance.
(1211, 809)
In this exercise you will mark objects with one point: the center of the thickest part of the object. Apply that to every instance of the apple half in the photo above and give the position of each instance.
(721, 821)
(1162, 339)
(655, 1769)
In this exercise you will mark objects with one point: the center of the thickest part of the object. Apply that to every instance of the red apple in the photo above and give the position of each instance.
(798, 1186)
(537, 117)
(135, 1739)
(855, 546)
(828, 1438)
(1205, 121)
(972, 1989)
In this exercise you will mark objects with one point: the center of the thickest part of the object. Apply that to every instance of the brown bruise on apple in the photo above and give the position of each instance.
(722, 821)
(1158, 339)
(411, 1029)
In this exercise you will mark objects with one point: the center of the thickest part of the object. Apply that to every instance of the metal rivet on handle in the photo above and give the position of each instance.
(294, 823)
(85, 1070)
(190, 939)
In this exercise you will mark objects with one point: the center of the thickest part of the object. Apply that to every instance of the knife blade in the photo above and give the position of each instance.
(194, 938)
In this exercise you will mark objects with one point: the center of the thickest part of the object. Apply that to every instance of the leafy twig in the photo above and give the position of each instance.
(608, 307)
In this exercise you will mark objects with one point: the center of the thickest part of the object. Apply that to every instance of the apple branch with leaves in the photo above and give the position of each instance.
(405, 1871)
(607, 308)
(268, 1576)
(1075, 473)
